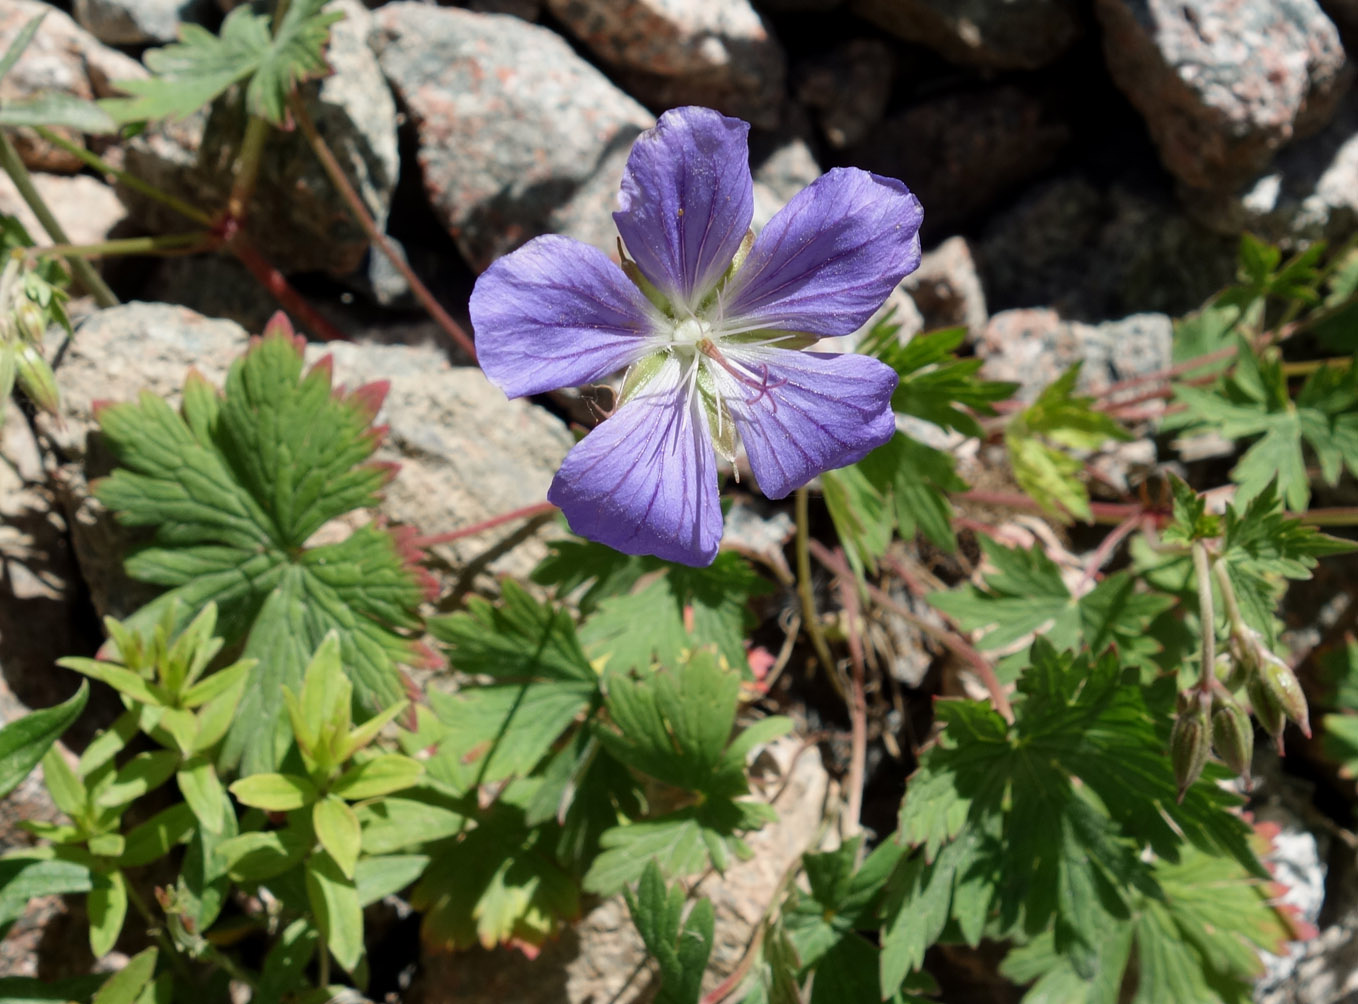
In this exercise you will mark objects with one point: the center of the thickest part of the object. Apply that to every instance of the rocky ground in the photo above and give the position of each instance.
(1086, 168)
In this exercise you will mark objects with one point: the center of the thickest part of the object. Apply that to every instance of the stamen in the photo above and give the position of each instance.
(762, 385)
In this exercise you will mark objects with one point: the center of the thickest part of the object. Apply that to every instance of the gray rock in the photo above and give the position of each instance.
(139, 22)
(601, 957)
(961, 152)
(1013, 34)
(1034, 347)
(1097, 252)
(1308, 193)
(717, 53)
(465, 452)
(62, 57)
(946, 288)
(847, 88)
(86, 208)
(1224, 84)
(296, 216)
(782, 164)
(518, 135)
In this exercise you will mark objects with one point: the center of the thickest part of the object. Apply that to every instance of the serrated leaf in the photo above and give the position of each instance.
(57, 110)
(195, 70)
(234, 498)
(680, 945)
(275, 792)
(338, 831)
(1054, 813)
(1198, 942)
(627, 591)
(861, 515)
(499, 885)
(334, 903)
(1026, 595)
(24, 741)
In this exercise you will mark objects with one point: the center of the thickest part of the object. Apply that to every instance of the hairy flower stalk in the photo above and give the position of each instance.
(708, 321)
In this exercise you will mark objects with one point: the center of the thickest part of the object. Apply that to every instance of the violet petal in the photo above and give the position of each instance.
(557, 313)
(645, 481)
(686, 200)
(830, 257)
(802, 413)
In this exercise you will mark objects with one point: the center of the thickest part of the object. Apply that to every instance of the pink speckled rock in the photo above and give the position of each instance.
(1224, 84)
(518, 135)
(717, 53)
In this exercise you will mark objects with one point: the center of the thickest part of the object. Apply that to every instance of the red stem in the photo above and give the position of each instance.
(1103, 512)
(858, 705)
(277, 284)
(527, 512)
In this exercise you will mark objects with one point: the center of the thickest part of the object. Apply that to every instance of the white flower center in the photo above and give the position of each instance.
(691, 331)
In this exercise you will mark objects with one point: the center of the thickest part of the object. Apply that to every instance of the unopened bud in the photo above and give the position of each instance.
(1283, 684)
(1266, 707)
(30, 319)
(1228, 671)
(1233, 736)
(36, 378)
(1191, 739)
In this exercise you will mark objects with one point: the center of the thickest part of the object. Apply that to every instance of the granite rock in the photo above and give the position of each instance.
(466, 453)
(86, 208)
(517, 135)
(961, 152)
(62, 57)
(1014, 34)
(139, 22)
(946, 289)
(296, 213)
(1224, 84)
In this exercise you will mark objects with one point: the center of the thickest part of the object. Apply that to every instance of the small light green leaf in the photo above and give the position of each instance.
(107, 907)
(120, 678)
(388, 773)
(275, 792)
(257, 857)
(32, 873)
(24, 742)
(126, 985)
(203, 792)
(285, 966)
(153, 839)
(217, 683)
(20, 43)
(107, 845)
(376, 878)
(334, 902)
(66, 789)
(110, 742)
(56, 109)
(338, 831)
(394, 824)
(144, 772)
(217, 714)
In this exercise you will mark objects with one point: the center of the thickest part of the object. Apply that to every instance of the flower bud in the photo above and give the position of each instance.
(36, 378)
(1266, 707)
(30, 319)
(1229, 671)
(1191, 739)
(1233, 736)
(1282, 683)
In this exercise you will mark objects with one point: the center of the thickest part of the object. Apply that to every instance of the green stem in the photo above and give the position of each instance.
(1337, 516)
(1237, 620)
(360, 213)
(810, 619)
(1203, 574)
(130, 180)
(199, 240)
(84, 271)
(247, 168)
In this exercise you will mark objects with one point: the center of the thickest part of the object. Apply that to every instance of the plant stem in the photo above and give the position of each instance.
(360, 213)
(858, 708)
(130, 180)
(186, 243)
(810, 618)
(1203, 574)
(527, 512)
(247, 168)
(1233, 614)
(1337, 516)
(1110, 513)
(84, 271)
(277, 284)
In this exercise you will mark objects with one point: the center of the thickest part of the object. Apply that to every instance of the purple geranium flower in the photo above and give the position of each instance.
(709, 320)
